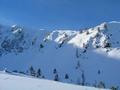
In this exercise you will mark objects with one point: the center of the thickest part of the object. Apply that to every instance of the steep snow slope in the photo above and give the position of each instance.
(13, 82)
(88, 57)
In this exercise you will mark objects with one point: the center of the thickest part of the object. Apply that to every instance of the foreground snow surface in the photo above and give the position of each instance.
(17, 82)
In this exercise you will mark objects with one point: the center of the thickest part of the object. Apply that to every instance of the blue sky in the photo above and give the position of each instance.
(58, 14)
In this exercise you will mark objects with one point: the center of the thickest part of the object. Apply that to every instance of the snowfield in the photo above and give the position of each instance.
(89, 57)
(13, 82)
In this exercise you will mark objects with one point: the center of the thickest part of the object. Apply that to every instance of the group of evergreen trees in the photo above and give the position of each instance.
(39, 74)
(35, 73)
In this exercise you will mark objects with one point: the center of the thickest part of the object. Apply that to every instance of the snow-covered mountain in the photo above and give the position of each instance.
(87, 57)
(13, 82)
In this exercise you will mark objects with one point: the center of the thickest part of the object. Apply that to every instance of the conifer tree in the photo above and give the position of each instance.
(32, 71)
(56, 77)
(38, 72)
(66, 76)
(83, 78)
(54, 71)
